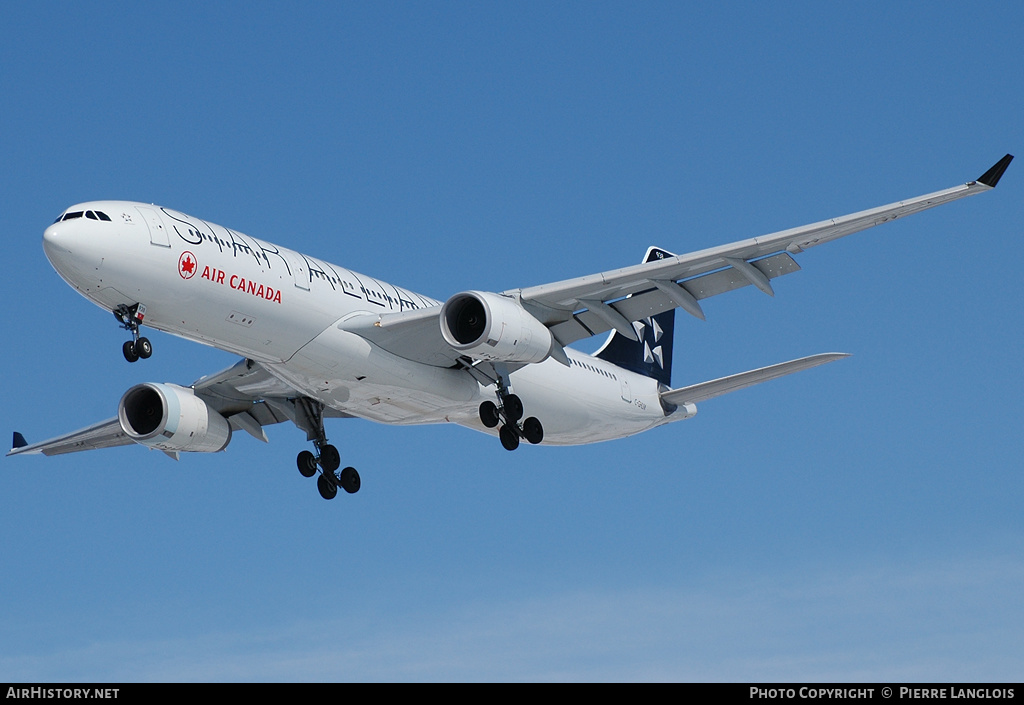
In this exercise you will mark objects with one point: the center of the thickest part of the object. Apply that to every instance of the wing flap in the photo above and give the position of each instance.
(238, 387)
(717, 387)
(245, 421)
(655, 300)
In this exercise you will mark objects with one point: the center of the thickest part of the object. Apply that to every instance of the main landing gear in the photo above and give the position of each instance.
(510, 409)
(130, 318)
(327, 458)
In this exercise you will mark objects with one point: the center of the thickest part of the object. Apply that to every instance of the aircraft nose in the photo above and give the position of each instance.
(63, 247)
(55, 241)
(52, 237)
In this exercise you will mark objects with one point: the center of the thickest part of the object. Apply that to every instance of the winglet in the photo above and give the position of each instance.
(19, 441)
(992, 176)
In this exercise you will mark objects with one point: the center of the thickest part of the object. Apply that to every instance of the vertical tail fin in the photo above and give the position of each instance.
(652, 356)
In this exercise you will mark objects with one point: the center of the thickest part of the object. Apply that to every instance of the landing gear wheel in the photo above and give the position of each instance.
(349, 480)
(328, 489)
(489, 414)
(509, 438)
(130, 318)
(513, 408)
(307, 463)
(330, 459)
(533, 431)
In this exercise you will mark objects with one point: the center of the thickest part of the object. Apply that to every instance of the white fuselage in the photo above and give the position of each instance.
(286, 310)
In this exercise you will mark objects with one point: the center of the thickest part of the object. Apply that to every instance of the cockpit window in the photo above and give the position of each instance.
(91, 215)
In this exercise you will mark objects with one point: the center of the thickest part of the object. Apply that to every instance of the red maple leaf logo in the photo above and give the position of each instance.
(186, 265)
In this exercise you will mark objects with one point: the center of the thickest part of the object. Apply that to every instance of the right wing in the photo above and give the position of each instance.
(585, 306)
(579, 308)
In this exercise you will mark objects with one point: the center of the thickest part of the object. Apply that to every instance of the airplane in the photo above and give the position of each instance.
(320, 341)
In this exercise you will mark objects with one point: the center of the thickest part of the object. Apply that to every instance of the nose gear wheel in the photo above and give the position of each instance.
(131, 317)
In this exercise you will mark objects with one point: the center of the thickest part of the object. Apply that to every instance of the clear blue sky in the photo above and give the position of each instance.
(860, 521)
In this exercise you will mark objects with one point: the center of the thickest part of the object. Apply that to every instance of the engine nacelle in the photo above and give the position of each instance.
(173, 418)
(492, 327)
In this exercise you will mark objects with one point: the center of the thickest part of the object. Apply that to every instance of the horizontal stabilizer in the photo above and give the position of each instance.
(717, 387)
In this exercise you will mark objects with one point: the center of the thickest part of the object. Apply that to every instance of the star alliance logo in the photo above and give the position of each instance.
(650, 354)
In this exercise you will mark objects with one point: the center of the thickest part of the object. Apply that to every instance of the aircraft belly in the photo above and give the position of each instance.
(578, 406)
(348, 373)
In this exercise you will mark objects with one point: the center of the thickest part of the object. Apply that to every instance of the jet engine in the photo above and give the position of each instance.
(493, 327)
(172, 418)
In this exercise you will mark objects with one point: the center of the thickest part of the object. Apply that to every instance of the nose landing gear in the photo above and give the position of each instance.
(130, 318)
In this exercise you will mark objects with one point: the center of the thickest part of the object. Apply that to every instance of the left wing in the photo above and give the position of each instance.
(585, 306)
(105, 434)
(245, 394)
